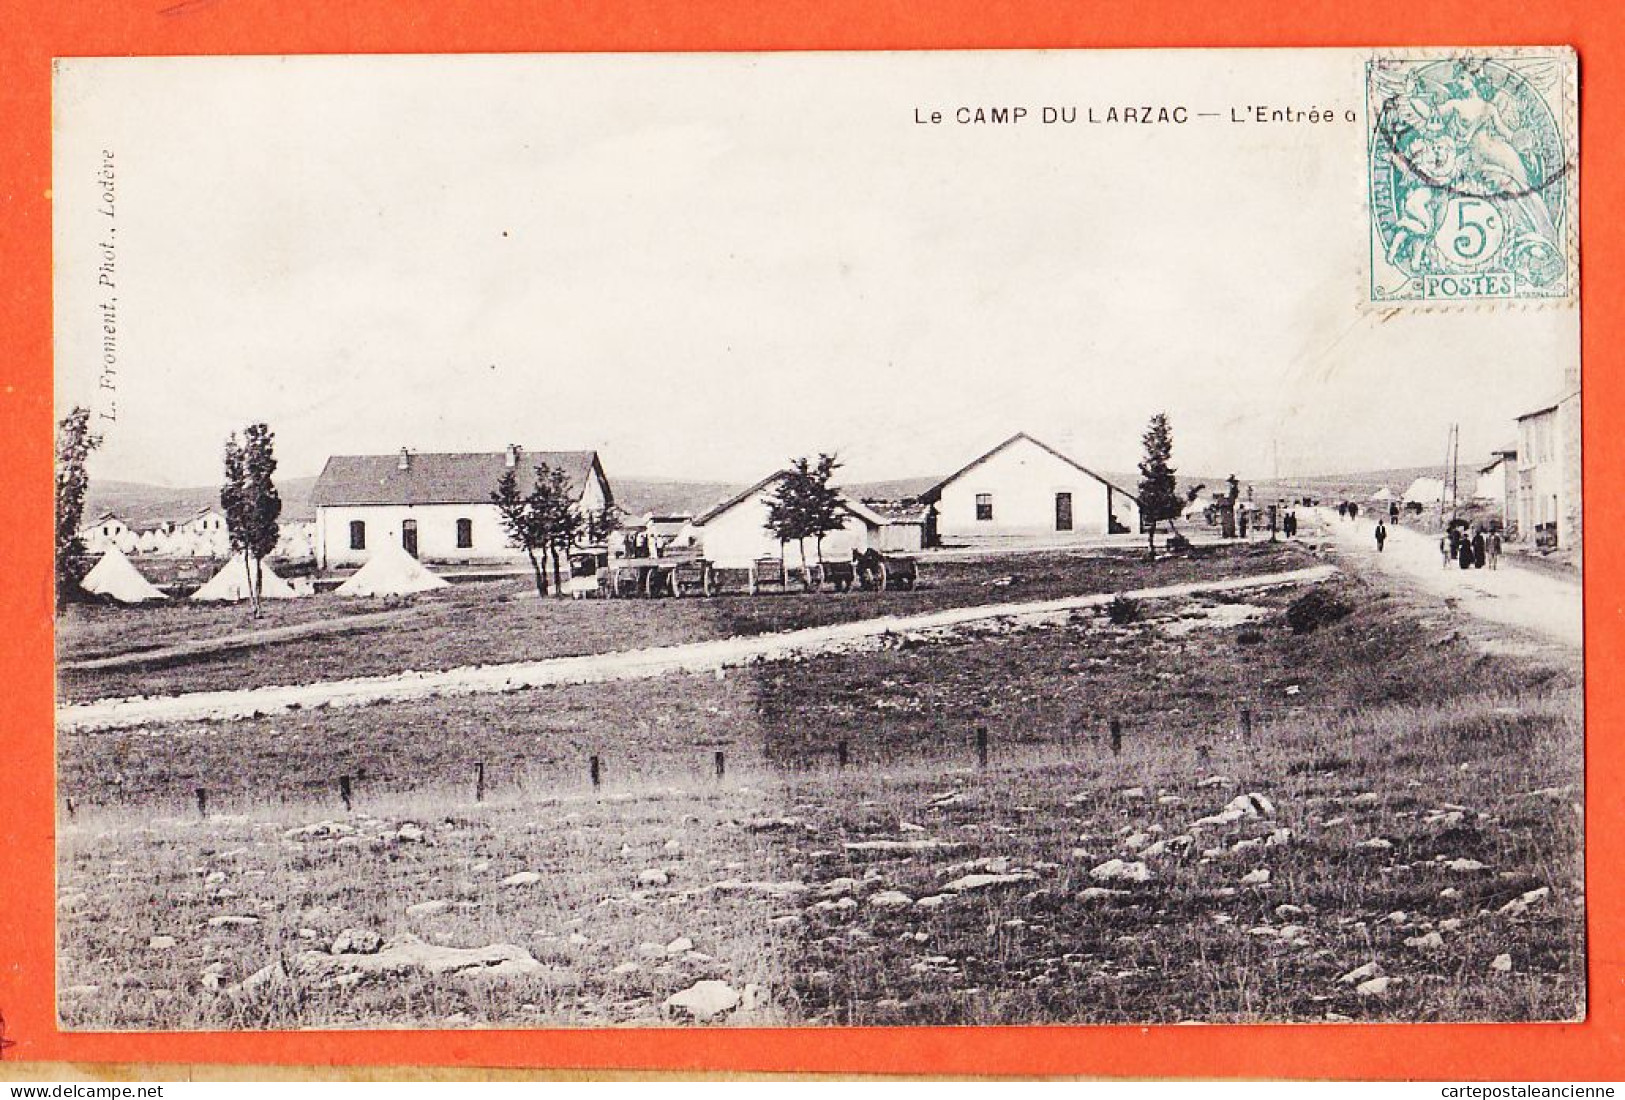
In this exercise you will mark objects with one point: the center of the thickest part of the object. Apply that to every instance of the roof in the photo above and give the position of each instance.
(457, 478)
(740, 497)
(935, 492)
(899, 511)
(858, 508)
(1537, 412)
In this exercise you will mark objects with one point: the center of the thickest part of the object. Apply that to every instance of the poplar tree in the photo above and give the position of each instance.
(251, 502)
(74, 444)
(1159, 499)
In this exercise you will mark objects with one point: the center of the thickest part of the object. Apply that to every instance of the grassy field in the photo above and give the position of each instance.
(1414, 786)
(494, 622)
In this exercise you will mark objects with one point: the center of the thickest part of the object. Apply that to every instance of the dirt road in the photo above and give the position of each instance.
(1510, 595)
(626, 665)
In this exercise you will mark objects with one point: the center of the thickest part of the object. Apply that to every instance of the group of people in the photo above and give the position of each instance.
(1477, 550)
(1473, 551)
(1350, 510)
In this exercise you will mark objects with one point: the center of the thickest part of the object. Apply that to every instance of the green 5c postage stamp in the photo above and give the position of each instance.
(1471, 165)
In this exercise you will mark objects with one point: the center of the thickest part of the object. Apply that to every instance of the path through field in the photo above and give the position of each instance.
(625, 665)
(1510, 595)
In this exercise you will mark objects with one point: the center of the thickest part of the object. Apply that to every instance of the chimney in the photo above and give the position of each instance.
(512, 458)
(405, 459)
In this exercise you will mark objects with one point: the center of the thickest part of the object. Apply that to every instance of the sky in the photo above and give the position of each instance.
(705, 265)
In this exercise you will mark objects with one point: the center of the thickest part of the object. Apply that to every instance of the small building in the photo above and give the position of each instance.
(208, 522)
(437, 507)
(1497, 484)
(1548, 462)
(1025, 489)
(107, 531)
(733, 533)
(904, 524)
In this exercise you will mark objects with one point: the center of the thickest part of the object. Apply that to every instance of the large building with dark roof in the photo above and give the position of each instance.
(436, 506)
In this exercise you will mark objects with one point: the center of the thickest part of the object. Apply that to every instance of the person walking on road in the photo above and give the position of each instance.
(1478, 549)
(1495, 550)
(1464, 553)
(1444, 551)
(1382, 535)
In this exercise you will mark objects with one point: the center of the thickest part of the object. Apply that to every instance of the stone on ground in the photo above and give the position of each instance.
(704, 1000)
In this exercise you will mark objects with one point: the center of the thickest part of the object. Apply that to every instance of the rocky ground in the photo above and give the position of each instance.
(1392, 831)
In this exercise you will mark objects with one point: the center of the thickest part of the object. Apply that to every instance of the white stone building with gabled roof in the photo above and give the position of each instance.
(733, 533)
(437, 507)
(1024, 489)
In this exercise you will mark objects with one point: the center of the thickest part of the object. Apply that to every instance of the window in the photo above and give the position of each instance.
(358, 535)
(984, 506)
(465, 534)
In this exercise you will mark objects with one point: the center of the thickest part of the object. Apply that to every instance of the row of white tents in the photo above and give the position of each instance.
(390, 571)
(296, 542)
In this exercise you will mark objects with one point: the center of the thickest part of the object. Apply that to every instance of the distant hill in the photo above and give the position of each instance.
(143, 506)
(665, 497)
(1356, 486)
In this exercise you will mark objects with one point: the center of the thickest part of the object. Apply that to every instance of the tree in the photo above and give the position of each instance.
(600, 524)
(1159, 499)
(806, 506)
(561, 520)
(545, 519)
(519, 522)
(251, 502)
(74, 444)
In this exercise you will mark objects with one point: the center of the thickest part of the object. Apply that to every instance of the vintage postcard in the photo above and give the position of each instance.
(787, 540)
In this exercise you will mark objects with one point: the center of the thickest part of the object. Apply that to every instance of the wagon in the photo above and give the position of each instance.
(768, 571)
(685, 576)
(839, 575)
(877, 572)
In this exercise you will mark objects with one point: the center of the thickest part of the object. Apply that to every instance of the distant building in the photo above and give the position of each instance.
(1548, 493)
(435, 506)
(1024, 489)
(208, 522)
(733, 533)
(1498, 483)
(105, 532)
(905, 524)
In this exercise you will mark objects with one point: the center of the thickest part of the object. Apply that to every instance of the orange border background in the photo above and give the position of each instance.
(36, 30)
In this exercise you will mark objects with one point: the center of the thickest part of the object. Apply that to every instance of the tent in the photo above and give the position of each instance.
(390, 571)
(1425, 490)
(230, 584)
(147, 542)
(1382, 494)
(117, 579)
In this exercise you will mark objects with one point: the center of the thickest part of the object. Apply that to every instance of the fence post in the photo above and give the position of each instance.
(479, 781)
(202, 802)
(344, 791)
(840, 754)
(981, 747)
(1117, 736)
(70, 809)
(593, 771)
(1246, 724)
(721, 766)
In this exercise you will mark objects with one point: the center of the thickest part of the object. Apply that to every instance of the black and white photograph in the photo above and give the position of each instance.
(818, 539)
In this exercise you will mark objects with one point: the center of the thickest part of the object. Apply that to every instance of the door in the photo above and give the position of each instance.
(1063, 511)
(409, 536)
